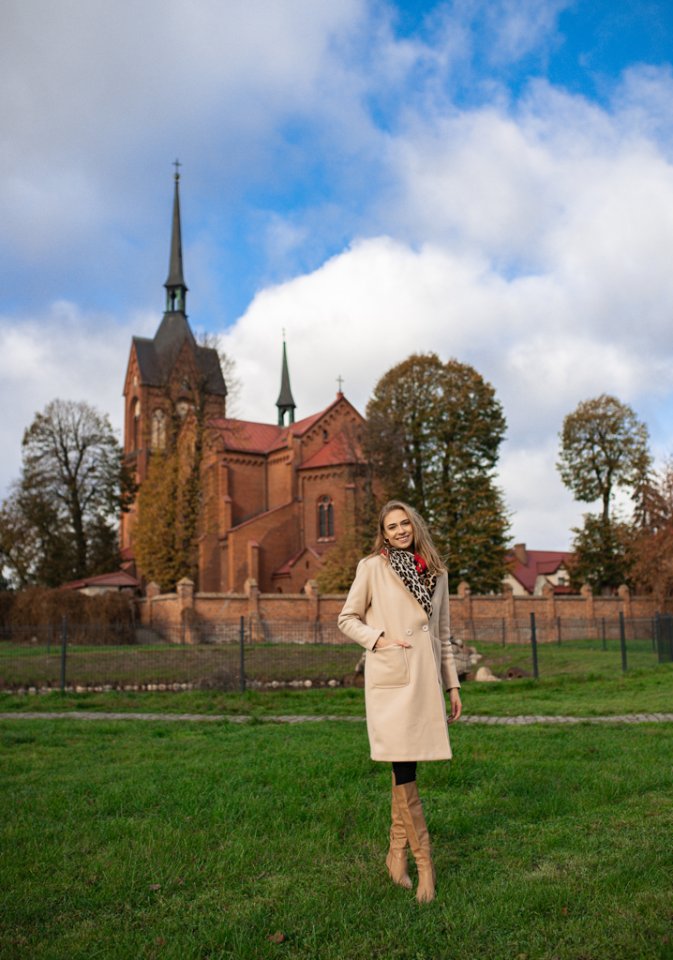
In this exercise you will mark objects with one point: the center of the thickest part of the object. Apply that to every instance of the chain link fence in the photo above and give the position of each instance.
(247, 654)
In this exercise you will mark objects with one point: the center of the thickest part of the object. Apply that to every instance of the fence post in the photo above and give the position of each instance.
(50, 638)
(622, 639)
(504, 632)
(603, 641)
(558, 630)
(533, 643)
(241, 645)
(64, 647)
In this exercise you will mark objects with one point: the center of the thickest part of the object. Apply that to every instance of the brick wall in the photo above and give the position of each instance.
(505, 615)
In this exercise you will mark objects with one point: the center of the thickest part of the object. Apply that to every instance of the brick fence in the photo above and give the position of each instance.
(503, 616)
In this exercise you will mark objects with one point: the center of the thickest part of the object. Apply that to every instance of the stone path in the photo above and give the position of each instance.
(523, 721)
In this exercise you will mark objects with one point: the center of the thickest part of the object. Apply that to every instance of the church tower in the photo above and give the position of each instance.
(285, 401)
(168, 375)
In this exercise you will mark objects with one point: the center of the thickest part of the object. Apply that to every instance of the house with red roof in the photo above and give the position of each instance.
(275, 496)
(529, 571)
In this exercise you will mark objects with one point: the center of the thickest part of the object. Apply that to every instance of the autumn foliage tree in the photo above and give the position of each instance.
(434, 431)
(165, 535)
(652, 545)
(604, 447)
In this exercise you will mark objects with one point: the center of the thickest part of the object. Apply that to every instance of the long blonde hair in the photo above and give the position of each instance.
(422, 540)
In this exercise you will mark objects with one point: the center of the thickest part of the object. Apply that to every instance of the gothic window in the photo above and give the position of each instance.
(325, 518)
(135, 424)
(158, 430)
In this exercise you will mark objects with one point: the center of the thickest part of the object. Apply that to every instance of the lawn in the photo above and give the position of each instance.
(574, 683)
(136, 840)
(217, 666)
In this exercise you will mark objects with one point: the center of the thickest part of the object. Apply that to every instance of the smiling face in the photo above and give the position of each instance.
(398, 530)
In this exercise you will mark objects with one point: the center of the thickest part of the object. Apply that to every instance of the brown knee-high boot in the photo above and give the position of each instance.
(411, 811)
(396, 861)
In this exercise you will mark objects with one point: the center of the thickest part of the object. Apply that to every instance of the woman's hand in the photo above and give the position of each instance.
(456, 704)
(383, 642)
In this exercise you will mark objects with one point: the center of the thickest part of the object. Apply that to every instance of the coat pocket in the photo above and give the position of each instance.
(388, 667)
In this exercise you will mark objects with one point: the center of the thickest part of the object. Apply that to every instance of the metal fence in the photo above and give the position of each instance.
(246, 654)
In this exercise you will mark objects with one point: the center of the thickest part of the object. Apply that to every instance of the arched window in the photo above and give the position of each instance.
(158, 430)
(135, 424)
(325, 518)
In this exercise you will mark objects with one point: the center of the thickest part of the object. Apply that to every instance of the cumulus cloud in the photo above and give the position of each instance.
(62, 353)
(338, 166)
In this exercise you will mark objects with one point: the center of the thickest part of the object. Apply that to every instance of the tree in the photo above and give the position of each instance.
(165, 536)
(434, 431)
(603, 554)
(652, 548)
(59, 522)
(603, 446)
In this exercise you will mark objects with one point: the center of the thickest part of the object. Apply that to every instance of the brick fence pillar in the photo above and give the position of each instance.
(185, 591)
(624, 595)
(153, 590)
(588, 595)
(252, 592)
(465, 595)
(313, 593)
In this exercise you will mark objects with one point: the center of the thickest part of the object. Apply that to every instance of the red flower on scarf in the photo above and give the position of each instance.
(420, 564)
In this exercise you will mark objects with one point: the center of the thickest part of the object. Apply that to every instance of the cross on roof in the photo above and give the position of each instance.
(177, 165)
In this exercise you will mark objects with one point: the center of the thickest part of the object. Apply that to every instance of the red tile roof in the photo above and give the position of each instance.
(251, 437)
(118, 579)
(538, 563)
(336, 451)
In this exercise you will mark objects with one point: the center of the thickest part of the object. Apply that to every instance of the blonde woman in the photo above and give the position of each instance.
(398, 610)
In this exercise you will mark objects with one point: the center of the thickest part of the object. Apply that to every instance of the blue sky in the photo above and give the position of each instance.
(490, 180)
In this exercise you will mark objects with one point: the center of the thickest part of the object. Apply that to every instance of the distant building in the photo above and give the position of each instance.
(275, 496)
(117, 582)
(528, 571)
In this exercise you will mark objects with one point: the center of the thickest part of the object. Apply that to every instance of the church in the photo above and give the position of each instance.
(274, 497)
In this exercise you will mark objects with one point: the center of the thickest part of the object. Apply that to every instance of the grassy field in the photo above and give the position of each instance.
(134, 840)
(212, 666)
(576, 681)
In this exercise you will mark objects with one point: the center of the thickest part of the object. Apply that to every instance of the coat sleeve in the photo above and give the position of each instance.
(352, 617)
(449, 672)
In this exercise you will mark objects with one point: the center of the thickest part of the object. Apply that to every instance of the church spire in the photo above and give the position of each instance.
(176, 288)
(285, 401)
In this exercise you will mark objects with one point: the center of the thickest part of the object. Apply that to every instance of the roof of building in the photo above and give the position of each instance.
(339, 449)
(526, 565)
(285, 399)
(156, 357)
(116, 579)
(286, 568)
(249, 436)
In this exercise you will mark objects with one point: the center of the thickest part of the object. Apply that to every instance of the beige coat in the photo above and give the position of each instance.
(404, 686)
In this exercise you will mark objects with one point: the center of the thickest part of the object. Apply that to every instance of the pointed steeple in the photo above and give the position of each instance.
(285, 401)
(176, 288)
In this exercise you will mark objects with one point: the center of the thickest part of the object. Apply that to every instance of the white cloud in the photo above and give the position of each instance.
(530, 237)
(64, 354)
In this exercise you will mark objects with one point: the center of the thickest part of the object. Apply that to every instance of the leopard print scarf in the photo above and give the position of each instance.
(413, 571)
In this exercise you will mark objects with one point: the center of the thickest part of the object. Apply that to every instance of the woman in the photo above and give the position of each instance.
(398, 610)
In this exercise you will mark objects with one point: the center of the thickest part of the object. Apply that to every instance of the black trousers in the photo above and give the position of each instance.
(404, 771)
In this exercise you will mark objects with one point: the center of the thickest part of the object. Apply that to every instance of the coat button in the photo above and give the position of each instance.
(408, 632)
(425, 626)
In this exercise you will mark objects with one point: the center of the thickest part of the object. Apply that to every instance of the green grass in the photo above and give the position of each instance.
(135, 840)
(638, 691)
(208, 664)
